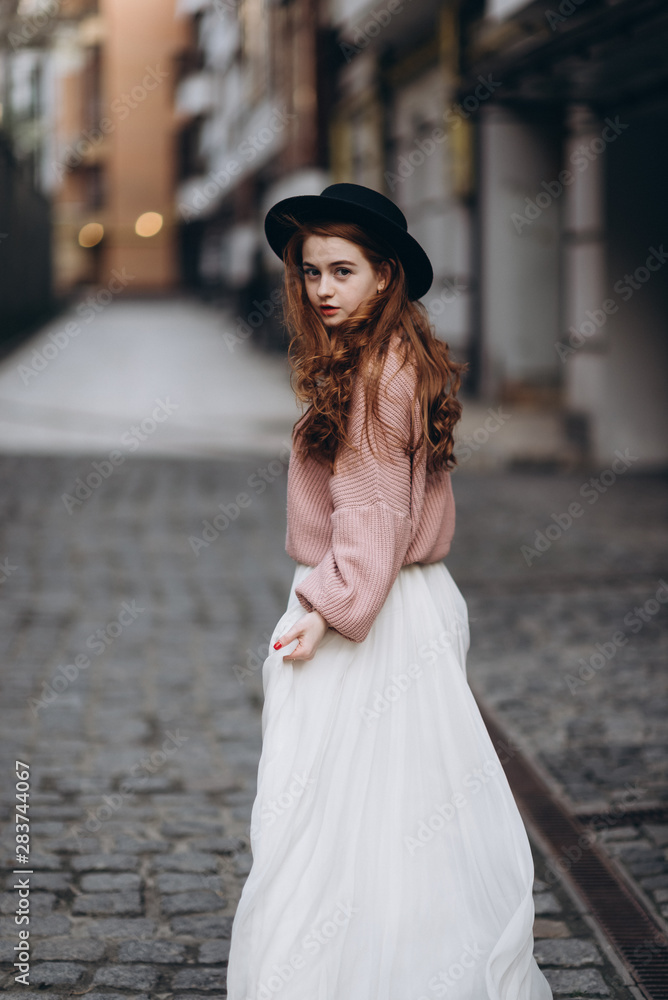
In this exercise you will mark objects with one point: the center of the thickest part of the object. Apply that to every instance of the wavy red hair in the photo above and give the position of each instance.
(325, 362)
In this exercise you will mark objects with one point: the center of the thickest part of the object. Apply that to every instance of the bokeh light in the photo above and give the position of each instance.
(91, 234)
(148, 224)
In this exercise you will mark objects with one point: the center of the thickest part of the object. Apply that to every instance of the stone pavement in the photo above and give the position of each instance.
(91, 379)
(133, 642)
(569, 647)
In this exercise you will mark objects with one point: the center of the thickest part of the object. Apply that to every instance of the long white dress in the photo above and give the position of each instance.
(390, 861)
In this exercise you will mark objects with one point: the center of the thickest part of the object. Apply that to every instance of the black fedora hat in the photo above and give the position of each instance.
(366, 207)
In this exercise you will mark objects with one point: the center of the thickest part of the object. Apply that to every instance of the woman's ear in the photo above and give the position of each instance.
(383, 273)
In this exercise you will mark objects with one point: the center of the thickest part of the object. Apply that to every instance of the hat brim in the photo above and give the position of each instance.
(310, 208)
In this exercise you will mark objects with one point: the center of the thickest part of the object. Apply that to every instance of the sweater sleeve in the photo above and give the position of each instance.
(371, 523)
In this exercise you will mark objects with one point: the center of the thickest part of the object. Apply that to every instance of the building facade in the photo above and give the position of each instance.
(573, 210)
(114, 158)
(25, 211)
(256, 114)
(524, 141)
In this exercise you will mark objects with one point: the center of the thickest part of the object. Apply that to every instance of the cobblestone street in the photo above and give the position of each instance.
(143, 761)
(134, 631)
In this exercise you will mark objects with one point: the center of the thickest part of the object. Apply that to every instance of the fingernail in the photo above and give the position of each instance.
(277, 645)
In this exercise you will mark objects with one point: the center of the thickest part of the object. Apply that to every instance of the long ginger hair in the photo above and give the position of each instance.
(325, 362)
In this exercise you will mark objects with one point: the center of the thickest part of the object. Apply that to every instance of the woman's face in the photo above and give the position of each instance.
(338, 277)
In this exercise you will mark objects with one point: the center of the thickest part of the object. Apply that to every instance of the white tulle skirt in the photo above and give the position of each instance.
(390, 861)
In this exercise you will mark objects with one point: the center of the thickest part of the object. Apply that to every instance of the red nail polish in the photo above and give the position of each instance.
(277, 645)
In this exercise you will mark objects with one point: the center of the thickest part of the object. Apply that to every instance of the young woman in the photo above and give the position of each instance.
(390, 861)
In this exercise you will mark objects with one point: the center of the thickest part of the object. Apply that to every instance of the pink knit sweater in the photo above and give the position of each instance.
(359, 525)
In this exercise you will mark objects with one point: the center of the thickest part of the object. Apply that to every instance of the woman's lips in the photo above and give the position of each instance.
(328, 309)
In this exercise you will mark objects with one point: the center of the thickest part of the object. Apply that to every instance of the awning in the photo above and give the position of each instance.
(552, 52)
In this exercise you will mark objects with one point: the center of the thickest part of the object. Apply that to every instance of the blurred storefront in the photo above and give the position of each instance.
(393, 131)
(525, 142)
(87, 89)
(114, 158)
(294, 96)
(255, 129)
(572, 211)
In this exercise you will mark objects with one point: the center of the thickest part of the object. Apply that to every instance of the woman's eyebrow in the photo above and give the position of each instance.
(334, 263)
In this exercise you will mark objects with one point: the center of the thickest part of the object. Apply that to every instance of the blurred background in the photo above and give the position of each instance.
(145, 430)
(525, 142)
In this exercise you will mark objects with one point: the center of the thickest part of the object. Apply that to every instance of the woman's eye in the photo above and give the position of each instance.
(343, 270)
(310, 272)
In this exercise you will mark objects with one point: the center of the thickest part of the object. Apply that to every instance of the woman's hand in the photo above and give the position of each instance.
(310, 629)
